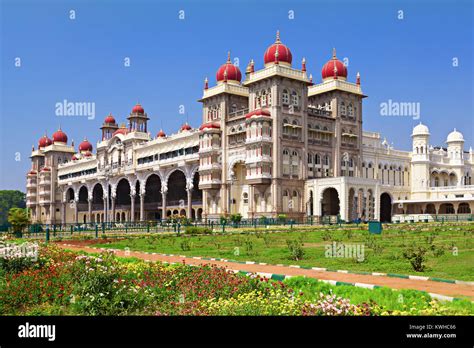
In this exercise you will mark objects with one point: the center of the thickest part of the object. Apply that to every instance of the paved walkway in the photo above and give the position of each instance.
(446, 289)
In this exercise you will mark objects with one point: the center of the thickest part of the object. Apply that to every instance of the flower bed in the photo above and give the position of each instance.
(68, 283)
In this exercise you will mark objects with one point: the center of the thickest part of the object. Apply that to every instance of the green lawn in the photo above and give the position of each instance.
(450, 246)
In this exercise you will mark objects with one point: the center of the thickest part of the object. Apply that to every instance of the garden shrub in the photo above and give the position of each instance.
(296, 249)
(195, 230)
(185, 244)
(416, 256)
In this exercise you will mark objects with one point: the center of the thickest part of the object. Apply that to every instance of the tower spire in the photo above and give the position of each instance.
(334, 53)
(278, 37)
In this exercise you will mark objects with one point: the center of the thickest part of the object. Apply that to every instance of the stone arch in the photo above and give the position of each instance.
(463, 208)
(386, 207)
(446, 208)
(330, 201)
(153, 187)
(97, 194)
(83, 194)
(123, 192)
(430, 209)
(69, 195)
(177, 184)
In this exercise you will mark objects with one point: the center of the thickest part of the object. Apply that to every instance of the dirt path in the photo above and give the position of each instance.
(446, 289)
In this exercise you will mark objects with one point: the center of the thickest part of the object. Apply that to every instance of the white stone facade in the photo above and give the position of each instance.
(274, 143)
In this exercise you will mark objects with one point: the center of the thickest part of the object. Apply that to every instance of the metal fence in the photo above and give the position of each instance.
(95, 230)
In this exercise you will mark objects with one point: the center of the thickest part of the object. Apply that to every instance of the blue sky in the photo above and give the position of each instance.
(408, 60)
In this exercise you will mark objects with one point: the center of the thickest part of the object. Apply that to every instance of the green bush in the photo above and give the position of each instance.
(185, 244)
(194, 230)
(296, 249)
(236, 218)
(417, 258)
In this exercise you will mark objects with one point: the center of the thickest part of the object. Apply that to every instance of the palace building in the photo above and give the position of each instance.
(271, 142)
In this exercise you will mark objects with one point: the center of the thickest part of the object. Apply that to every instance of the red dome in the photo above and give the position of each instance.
(59, 136)
(258, 112)
(186, 127)
(138, 109)
(109, 119)
(229, 72)
(32, 172)
(334, 67)
(88, 154)
(44, 141)
(74, 158)
(46, 169)
(284, 53)
(123, 131)
(210, 125)
(85, 146)
(161, 134)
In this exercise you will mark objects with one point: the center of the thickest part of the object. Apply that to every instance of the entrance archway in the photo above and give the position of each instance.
(123, 199)
(82, 204)
(177, 195)
(385, 207)
(446, 208)
(153, 198)
(330, 204)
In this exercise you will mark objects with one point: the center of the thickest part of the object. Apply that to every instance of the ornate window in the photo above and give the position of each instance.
(317, 159)
(294, 99)
(264, 98)
(326, 160)
(285, 128)
(285, 97)
(343, 109)
(350, 110)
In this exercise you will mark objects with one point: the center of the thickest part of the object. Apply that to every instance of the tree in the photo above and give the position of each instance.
(10, 199)
(18, 218)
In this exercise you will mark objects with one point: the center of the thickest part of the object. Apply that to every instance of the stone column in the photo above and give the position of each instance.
(132, 208)
(163, 202)
(367, 206)
(76, 210)
(63, 213)
(142, 206)
(113, 210)
(263, 202)
(377, 203)
(205, 206)
(89, 217)
(105, 209)
(189, 214)
(251, 201)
